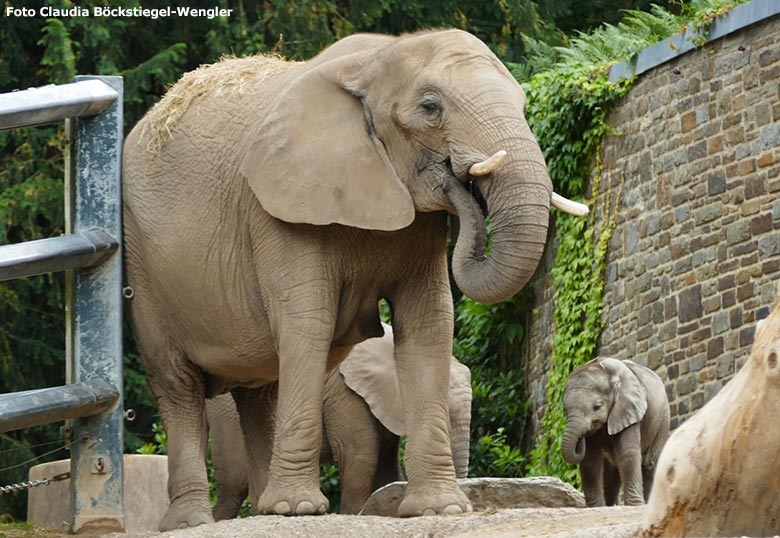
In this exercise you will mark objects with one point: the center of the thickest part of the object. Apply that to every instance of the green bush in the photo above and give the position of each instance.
(488, 341)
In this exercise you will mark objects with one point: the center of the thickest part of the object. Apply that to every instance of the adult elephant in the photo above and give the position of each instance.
(617, 422)
(362, 421)
(269, 206)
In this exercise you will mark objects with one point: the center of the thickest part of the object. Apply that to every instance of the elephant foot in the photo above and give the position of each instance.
(297, 502)
(449, 500)
(182, 515)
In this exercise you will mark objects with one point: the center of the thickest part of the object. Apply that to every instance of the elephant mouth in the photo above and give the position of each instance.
(596, 426)
(579, 449)
(472, 187)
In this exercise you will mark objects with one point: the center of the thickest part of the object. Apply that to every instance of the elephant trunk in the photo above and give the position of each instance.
(518, 202)
(573, 444)
(460, 450)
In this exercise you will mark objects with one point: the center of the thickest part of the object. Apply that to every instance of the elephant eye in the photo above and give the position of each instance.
(431, 106)
(597, 406)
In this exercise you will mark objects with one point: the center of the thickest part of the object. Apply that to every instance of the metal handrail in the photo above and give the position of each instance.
(85, 249)
(48, 104)
(43, 406)
(91, 255)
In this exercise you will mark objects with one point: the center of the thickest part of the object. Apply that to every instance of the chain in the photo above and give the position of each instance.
(34, 483)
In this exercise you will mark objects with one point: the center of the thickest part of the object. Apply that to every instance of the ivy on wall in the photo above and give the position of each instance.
(567, 110)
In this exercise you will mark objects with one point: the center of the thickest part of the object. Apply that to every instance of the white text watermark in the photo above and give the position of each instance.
(118, 12)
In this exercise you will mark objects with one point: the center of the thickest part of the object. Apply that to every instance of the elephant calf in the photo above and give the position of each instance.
(622, 410)
(363, 419)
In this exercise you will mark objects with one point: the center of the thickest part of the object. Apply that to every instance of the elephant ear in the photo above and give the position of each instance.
(369, 370)
(630, 395)
(314, 157)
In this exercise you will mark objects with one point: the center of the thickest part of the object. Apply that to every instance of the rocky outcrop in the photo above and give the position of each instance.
(489, 494)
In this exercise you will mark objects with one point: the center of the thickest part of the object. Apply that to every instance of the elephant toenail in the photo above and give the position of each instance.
(182, 525)
(282, 508)
(304, 507)
(453, 509)
(429, 512)
(323, 509)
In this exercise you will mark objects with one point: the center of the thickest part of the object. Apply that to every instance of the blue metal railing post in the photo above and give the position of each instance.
(94, 314)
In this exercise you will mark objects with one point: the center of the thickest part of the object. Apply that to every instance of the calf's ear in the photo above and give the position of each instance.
(630, 395)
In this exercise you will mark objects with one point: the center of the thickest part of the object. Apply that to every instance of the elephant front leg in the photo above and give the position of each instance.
(628, 458)
(647, 481)
(423, 346)
(592, 474)
(293, 486)
(611, 484)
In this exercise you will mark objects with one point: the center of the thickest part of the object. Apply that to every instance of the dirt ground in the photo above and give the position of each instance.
(613, 522)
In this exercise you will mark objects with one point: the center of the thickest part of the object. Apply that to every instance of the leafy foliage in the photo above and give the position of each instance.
(159, 442)
(567, 107)
(492, 455)
(567, 110)
(488, 341)
(330, 484)
(32, 318)
(702, 13)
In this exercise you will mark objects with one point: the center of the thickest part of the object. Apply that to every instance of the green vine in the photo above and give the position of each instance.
(567, 111)
(567, 108)
(702, 16)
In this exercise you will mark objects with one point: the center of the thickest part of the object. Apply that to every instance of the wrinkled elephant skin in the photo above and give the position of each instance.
(617, 421)
(362, 418)
(268, 207)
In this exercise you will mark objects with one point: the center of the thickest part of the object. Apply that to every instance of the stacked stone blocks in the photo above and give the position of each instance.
(695, 256)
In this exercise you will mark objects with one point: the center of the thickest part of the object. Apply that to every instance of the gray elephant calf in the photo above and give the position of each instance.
(621, 408)
(362, 422)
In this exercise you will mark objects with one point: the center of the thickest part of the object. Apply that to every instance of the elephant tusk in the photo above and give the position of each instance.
(488, 165)
(569, 206)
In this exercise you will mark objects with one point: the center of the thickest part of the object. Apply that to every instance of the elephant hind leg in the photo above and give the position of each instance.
(256, 409)
(183, 412)
(179, 388)
(388, 469)
(228, 455)
(352, 435)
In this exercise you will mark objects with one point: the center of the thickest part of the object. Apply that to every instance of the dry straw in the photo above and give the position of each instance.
(230, 75)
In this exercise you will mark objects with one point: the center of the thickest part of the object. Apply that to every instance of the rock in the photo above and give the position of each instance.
(489, 494)
(146, 494)
(718, 473)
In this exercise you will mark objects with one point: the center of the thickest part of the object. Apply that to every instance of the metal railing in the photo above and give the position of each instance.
(90, 252)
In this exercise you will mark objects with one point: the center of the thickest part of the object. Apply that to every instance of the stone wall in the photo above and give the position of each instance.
(695, 256)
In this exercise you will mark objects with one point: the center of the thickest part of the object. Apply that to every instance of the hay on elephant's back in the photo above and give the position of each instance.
(229, 76)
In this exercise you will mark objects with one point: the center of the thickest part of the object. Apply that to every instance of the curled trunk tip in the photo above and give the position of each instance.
(519, 233)
(573, 444)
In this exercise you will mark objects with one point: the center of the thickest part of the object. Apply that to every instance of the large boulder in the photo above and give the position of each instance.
(489, 494)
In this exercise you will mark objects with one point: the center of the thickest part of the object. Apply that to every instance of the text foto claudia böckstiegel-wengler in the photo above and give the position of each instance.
(108, 11)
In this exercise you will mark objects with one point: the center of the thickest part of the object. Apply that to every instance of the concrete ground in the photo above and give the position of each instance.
(612, 522)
